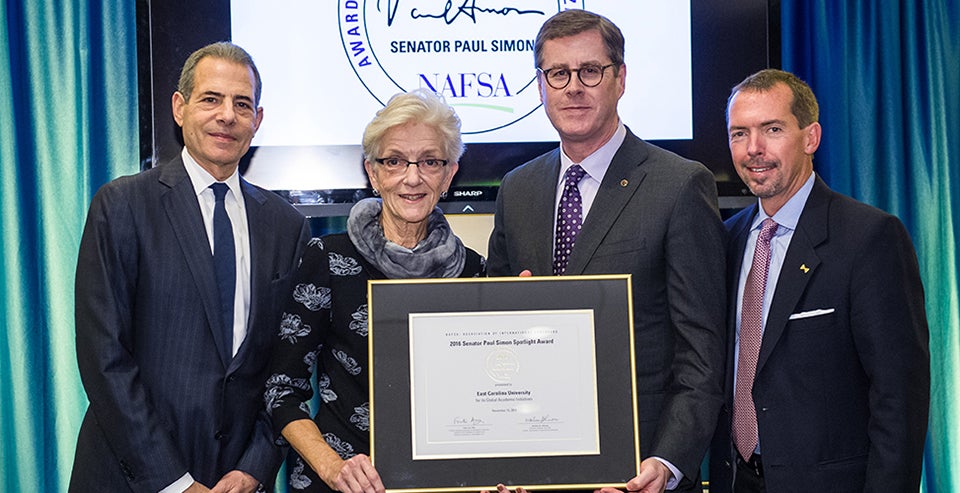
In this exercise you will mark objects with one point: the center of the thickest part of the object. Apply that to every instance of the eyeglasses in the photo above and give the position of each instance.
(397, 166)
(590, 75)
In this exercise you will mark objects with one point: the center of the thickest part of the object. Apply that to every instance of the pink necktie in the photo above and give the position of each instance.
(751, 332)
(569, 218)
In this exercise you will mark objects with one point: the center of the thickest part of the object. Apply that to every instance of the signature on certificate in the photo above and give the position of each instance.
(546, 418)
(459, 420)
(451, 12)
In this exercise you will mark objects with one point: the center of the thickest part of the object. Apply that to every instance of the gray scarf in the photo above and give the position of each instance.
(440, 254)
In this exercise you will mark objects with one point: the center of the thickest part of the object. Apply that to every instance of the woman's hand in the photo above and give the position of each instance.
(354, 475)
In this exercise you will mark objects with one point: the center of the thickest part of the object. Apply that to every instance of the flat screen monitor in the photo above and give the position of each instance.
(328, 66)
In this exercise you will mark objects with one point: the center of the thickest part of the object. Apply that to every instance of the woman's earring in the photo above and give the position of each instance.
(443, 194)
(376, 193)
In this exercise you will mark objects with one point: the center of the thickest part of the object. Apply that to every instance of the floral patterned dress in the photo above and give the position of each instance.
(324, 330)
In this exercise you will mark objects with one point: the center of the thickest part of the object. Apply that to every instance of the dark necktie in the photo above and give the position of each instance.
(745, 434)
(569, 218)
(224, 261)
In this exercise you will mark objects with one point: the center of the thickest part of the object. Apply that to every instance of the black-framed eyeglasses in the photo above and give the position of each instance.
(590, 75)
(396, 165)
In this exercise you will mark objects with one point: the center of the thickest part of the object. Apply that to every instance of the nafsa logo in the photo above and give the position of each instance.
(477, 54)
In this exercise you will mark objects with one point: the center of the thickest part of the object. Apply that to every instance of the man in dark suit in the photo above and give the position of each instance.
(173, 365)
(638, 210)
(828, 376)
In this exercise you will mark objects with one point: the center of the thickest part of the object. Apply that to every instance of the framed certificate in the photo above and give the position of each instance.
(525, 381)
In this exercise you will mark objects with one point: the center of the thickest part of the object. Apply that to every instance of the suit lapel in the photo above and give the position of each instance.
(543, 201)
(183, 211)
(619, 185)
(799, 266)
(261, 244)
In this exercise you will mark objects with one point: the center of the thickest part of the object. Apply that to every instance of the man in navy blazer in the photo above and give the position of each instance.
(841, 381)
(646, 212)
(175, 395)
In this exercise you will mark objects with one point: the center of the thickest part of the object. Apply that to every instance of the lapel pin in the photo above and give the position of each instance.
(804, 268)
(624, 182)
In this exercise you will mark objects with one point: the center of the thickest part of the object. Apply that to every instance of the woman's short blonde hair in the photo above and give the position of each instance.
(420, 106)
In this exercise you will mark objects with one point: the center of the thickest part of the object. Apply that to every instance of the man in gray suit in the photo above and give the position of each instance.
(173, 340)
(641, 210)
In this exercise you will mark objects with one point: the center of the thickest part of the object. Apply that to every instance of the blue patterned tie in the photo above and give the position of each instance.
(569, 218)
(224, 261)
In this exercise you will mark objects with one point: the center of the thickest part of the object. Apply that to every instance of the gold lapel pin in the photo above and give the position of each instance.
(804, 268)
(624, 182)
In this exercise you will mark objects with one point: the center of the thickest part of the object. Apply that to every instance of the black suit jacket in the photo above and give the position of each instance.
(164, 397)
(655, 217)
(842, 397)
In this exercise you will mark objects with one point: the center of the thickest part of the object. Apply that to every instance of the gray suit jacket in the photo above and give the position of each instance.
(165, 399)
(842, 385)
(655, 217)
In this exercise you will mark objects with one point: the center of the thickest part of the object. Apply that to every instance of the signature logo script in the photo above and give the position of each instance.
(450, 13)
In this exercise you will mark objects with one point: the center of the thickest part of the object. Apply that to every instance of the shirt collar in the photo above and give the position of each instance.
(596, 164)
(789, 215)
(202, 180)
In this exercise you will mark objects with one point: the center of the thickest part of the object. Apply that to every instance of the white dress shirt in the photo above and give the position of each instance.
(237, 211)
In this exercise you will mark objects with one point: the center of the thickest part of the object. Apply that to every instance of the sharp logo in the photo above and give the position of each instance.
(467, 193)
(457, 48)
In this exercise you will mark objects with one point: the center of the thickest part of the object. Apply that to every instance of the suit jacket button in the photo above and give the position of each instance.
(126, 470)
(218, 435)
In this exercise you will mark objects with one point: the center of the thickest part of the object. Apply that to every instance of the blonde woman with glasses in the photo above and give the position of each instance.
(411, 152)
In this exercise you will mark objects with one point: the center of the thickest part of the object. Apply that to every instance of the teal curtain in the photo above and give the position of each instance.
(68, 123)
(887, 75)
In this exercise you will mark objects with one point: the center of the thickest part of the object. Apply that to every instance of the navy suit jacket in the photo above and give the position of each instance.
(165, 398)
(841, 397)
(655, 217)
